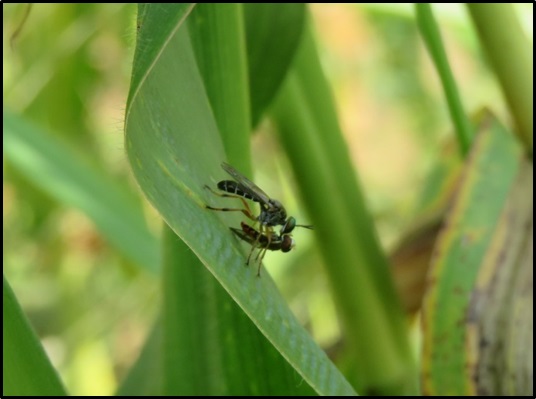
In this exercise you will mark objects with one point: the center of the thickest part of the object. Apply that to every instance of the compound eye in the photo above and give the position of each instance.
(288, 226)
(288, 244)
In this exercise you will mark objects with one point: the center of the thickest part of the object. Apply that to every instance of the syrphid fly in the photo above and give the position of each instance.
(273, 242)
(272, 211)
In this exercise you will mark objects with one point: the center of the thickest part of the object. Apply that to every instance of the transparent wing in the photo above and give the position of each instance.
(243, 236)
(247, 185)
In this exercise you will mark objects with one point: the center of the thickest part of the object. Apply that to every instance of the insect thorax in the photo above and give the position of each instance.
(274, 215)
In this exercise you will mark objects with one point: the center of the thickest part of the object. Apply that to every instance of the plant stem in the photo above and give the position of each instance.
(434, 43)
(510, 55)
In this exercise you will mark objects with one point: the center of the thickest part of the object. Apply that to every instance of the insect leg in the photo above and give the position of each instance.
(256, 243)
(268, 235)
(228, 195)
(262, 252)
(253, 247)
(260, 261)
(246, 211)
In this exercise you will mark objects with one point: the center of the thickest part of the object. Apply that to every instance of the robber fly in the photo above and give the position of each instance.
(264, 242)
(272, 211)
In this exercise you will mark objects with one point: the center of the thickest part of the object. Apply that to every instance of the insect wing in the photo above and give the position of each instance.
(243, 236)
(250, 235)
(247, 185)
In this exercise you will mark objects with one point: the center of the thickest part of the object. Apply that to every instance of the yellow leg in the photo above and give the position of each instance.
(253, 247)
(244, 202)
(246, 211)
(260, 260)
(262, 252)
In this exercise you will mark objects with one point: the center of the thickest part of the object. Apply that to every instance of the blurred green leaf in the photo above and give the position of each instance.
(500, 315)
(378, 352)
(146, 376)
(410, 258)
(175, 149)
(511, 56)
(273, 33)
(67, 176)
(26, 368)
(467, 258)
(434, 44)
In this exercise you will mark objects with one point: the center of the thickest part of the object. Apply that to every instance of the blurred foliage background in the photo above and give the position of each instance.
(68, 70)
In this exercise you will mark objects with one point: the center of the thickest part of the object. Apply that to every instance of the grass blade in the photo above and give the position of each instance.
(174, 147)
(26, 368)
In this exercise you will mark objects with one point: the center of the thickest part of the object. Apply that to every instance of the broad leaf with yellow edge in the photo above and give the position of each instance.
(472, 318)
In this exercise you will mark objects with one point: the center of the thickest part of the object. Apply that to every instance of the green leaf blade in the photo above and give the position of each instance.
(461, 253)
(273, 33)
(26, 368)
(66, 176)
(211, 346)
(174, 148)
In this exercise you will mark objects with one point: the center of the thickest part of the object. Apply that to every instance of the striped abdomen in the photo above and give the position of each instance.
(232, 187)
